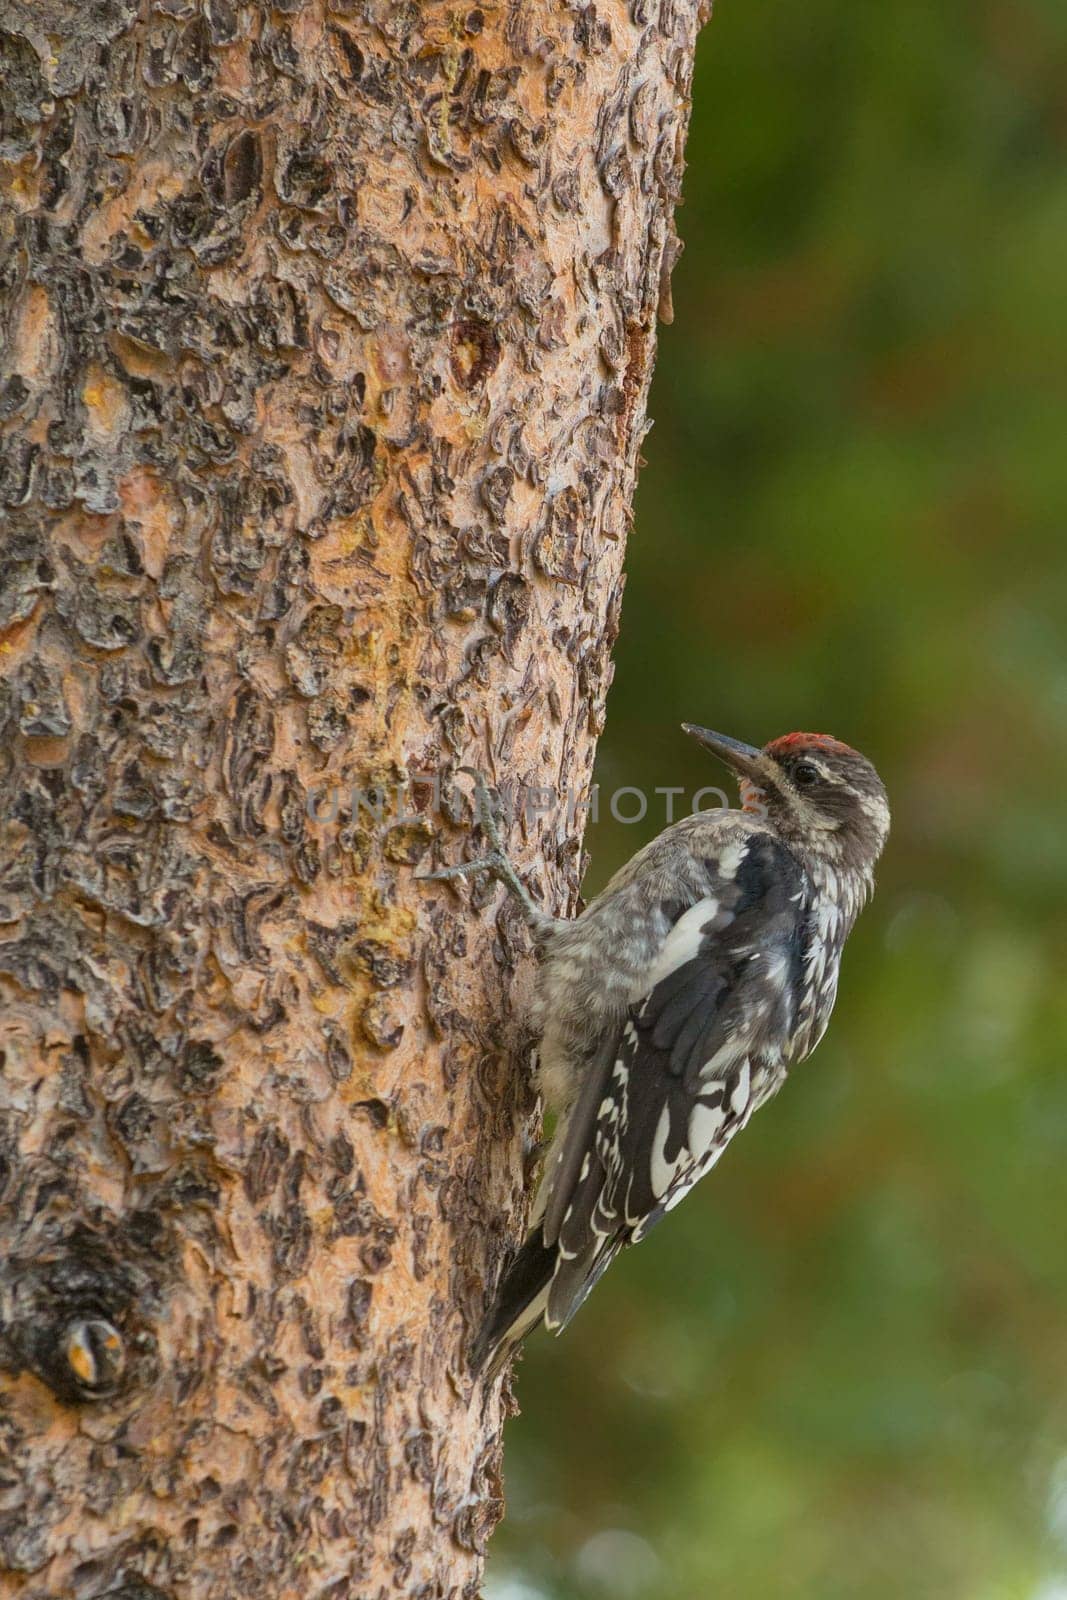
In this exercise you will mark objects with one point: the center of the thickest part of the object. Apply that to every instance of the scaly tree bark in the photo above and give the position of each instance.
(327, 330)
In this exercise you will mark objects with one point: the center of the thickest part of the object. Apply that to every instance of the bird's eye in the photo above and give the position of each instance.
(804, 774)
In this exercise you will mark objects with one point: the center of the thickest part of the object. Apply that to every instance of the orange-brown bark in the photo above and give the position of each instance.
(328, 328)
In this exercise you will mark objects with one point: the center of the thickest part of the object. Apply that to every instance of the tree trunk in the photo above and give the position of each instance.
(329, 326)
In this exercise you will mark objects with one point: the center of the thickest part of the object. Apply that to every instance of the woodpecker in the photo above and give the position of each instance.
(675, 1004)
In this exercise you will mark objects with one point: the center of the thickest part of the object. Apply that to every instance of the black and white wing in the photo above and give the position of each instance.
(703, 1046)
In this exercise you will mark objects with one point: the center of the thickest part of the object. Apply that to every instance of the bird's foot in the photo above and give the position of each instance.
(495, 861)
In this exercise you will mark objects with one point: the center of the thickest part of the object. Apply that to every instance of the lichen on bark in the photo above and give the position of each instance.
(327, 328)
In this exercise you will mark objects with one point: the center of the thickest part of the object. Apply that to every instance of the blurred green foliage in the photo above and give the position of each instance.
(840, 1369)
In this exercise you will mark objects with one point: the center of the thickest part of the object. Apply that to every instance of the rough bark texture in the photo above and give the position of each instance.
(327, 328)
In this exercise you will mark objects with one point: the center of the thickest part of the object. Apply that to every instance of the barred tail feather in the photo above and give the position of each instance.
(539, 1284)
(575, 1280)
(519, 1304)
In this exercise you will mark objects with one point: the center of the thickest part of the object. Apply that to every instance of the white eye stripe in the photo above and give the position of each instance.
(827, 774)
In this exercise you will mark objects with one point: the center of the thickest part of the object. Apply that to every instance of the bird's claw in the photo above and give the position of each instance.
(496, 861)
(462, 869)
(484, 812)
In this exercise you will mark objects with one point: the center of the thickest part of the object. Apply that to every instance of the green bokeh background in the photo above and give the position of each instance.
(840, 1370)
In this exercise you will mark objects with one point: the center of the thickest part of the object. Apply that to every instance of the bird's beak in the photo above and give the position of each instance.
(744, 759)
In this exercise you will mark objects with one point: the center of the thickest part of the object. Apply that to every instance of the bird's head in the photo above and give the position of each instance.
(816, 791)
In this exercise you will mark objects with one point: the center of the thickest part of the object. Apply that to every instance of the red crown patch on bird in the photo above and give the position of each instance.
(791, 743)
